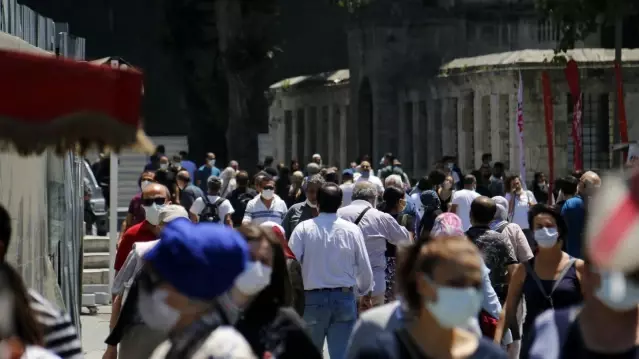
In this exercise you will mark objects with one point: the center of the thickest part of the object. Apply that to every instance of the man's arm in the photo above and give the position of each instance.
(364, 272)
(286, 223)
(453, 203)
(296, 243)
(248, 213)
(196, 209)
(393, 231)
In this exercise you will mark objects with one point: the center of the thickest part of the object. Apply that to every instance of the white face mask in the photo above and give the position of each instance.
(143, 184)
(268, 194)
(164, 166)
(152, 213)
(546, 237)
(450, 166)
(254, 279)
(155, 312)
(617, 292)
(454, 306)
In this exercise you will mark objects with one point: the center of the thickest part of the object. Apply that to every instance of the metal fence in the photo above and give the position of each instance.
(44, 194)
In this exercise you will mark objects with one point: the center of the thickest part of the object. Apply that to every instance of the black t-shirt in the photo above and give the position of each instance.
(239, 198)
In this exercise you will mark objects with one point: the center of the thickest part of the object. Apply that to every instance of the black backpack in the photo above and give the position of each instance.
(211, 212)
(239, 203)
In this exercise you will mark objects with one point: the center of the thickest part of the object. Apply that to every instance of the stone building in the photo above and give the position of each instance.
(466, 109)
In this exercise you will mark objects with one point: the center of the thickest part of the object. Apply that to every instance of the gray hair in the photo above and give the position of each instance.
(312, 168)
(316, 180)
(501, 214)
(394, 181)
(365, 191)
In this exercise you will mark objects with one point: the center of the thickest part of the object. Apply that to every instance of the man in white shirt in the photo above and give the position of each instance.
(347, 186)
(335, 270)
(378, 228)
(212, 207)
(267, 206)
(366, 175)
(462, 199)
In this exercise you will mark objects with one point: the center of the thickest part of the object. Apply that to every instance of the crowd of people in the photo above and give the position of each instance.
(218, 263)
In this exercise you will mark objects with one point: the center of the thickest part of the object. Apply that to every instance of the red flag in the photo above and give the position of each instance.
(550, 133)
(572, 76)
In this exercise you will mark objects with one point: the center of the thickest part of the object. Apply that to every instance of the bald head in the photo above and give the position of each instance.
(156, 190)
(588, 183)
(482, 211)
(183, 178)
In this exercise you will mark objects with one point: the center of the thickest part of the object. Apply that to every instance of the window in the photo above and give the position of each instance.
(301, 135)
(288, 136)
(594, 131)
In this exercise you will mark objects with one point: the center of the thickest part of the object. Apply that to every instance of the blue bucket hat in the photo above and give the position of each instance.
(202, 260)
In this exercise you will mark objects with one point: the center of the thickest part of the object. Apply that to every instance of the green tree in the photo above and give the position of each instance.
(579, 18)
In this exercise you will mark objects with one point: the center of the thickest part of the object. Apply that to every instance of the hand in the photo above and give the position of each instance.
(110, 353)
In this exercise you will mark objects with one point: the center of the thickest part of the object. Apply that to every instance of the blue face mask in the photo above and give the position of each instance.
(454, 306)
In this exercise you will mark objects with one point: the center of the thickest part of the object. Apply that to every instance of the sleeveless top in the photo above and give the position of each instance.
(567, 293)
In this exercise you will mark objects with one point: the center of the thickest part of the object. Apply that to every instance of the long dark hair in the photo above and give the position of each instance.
(279, 293)
(26, 328)
(392, 196)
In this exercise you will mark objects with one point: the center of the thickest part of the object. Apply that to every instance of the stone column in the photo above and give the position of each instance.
(514, 139)
(496, 143)
(296, 141)
(465, 131)
(478, 130)
(308, 132)
(430, 132)
(333, 133)
(401, 129)
(448, 115)
(343, 118)
(419, 165)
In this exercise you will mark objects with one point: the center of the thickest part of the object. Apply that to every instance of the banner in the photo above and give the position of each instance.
(572, 76)
(550, 133)
(519, 123)
(623, 123)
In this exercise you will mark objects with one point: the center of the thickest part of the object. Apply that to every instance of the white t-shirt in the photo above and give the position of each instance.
(347, 193)
(522, 203)
(374, 180)
(257, 213)
(463, 199)
(225, 208)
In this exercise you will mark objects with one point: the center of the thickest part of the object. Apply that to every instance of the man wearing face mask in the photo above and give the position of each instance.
(164, 162)
(135, 214)
(606, 326)
(267, 206)
(60, 335)
(300, 212)
(180, 287)
(135, 339)
(188, 192)
(574, 212)
(154, 197)
(205, 171)
(366, 175)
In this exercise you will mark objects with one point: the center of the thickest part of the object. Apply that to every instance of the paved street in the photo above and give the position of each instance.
(95, 329)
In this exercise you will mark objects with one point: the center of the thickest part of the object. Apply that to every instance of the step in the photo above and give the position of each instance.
(95, 288)
(102, 298)
(97, 260)
(95, 276)
(94, 244)
(88, 300)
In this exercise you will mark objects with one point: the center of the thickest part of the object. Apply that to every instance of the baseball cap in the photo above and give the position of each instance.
(201, 260)
(348, 172)
(214, 179)
(172, 211)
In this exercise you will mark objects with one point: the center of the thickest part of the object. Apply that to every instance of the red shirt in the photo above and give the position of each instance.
(136, 210)
(141, 232)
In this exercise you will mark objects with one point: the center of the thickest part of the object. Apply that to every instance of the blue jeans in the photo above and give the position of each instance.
(330, 315)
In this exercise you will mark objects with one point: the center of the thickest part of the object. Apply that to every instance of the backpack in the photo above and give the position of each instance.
(211, 212)
(239, 204)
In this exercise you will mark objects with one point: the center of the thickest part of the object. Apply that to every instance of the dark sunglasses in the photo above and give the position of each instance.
(268, 187)
(150, 201)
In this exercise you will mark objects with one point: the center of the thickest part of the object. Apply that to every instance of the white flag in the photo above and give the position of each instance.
(519, 125)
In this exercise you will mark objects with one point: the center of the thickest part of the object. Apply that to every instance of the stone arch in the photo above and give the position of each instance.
(365, 118)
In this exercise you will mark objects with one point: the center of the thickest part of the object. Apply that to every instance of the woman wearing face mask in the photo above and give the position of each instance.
(440, 283)
(20, 334)
(445, 193)
(519, 201)
(550, 280)
(394, 204)
(605, 326)
(540, 188)
(269, 324)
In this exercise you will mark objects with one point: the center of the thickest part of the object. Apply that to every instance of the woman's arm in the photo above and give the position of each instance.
(509, 312)
(580, 267)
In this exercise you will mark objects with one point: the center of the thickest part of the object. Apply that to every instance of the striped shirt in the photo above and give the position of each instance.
(60, 335)
(257, 213)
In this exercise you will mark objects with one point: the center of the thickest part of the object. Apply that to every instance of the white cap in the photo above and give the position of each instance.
(171, 212)
(317, 155)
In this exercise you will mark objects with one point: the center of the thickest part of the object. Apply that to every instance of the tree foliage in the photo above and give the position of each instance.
(579, 18)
